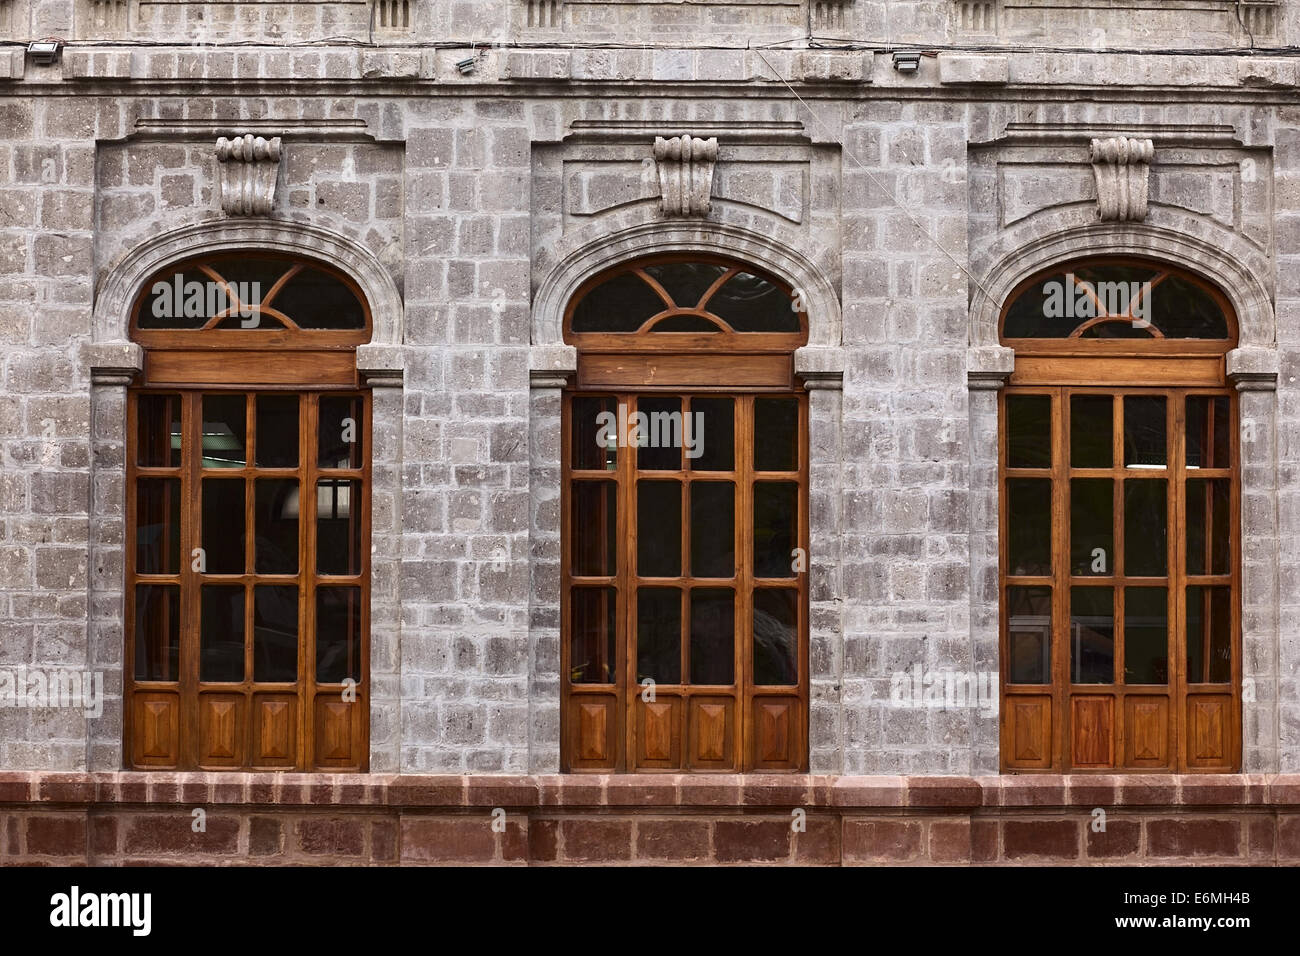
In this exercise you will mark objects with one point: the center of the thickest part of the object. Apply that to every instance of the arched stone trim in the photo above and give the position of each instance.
(1238, 267)
(122, 280)
(583, 259)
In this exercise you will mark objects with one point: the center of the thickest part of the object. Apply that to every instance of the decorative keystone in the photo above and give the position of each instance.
(249, 166)
(1121, 166)
(685, 165)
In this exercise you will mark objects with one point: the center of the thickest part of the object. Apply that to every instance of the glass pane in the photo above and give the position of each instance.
(591, 647)
(158, 525)
(750, 303)
(686, 323)
(277, 431)
(1181, 309)
(776, 434)
(1029, 526)
(658, 529)
(1045, 309)
(776, 505)
(221, 633)
(1092, 526)
(225, 432)
(1209, 635)
(1209, 523)
(716, 419)
(1092, 635)
(619, 304)
(1029, 431)
(158, 431)
(1144, 431)
(713, 634)
(1146, 522)
(277, 525)
(776, 644)
(315, 299)
(659, 635)
(275, 633)
(339, 431)
(1209, 441)
(656, 430)
(1029, 635)
(1146, 636)
(157, 632)
(595, 433)
(595, 527)
(223, 525)
(1092, 427)
(686, 282)
(338, 526)
(178, 299)
(713, 529)
(338, 635)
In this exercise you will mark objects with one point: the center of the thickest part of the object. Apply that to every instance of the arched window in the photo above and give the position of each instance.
(685, 606)
(1119, 502)
(248, 476)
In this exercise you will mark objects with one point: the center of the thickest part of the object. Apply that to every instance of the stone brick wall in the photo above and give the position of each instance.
(385, 820)
(894, 199)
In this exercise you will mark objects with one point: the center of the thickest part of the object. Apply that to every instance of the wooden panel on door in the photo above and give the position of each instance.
(1146, 732)
(1210, 730)
(777, 729)
(1028, 730)
(1092, 731)
(275, 730)
(221, 730)
(658, 733)
(156, 725)
(335, 725)
(593, 729)
(711, 733)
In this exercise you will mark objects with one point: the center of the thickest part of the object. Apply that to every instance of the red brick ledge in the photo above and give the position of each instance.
(650, 791)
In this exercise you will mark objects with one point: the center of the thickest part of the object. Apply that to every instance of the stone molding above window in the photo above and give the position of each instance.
(1120, 24)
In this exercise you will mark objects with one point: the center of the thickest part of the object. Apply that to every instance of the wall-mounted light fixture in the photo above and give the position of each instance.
(907, 61)
(467, 65)
(44, 51)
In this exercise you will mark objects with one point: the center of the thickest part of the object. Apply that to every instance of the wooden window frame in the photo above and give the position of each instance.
(769, 726)
(164, 725)
(1038, 722)
(762, 716)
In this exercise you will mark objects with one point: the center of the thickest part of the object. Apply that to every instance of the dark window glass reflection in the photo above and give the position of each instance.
(1146, 524)
(595, 528)
(1092, 635)
(1209, 436)
(1092, 429)
(659, 635)
(1092, 524)
(776, 434)
(1146, 636)
(776, 648)
(1144, 431)
(714, 430)
(659, 529)
(225, 432)
(338, 526)
(338, 635)
(1029, 634)
(275, 633)
(1029, 431)
(1209, 524)
(157, 632)
(158, 431)
(1029, 526)
(223, 525)
(276, 509)
(339, 431)
(221, 633)
(660, 435)
(158, 525)
(775, 507)
(594, 433)
(713, 529)
(591, 635)
(713, 635)
(277, 431)
(1209, 635)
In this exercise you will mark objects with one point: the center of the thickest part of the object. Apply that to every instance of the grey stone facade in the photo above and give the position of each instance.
(469, 204)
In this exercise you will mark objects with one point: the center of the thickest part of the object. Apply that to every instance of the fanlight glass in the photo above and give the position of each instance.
(1107, 299)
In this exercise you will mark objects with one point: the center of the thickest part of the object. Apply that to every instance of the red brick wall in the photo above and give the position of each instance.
(120, 818)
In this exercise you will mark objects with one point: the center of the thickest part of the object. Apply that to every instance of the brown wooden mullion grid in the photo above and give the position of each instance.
(1178, 686)
(743, 582)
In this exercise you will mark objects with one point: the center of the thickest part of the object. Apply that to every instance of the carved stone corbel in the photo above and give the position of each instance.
(685, 166)
(249, 166)
(1121, 166)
